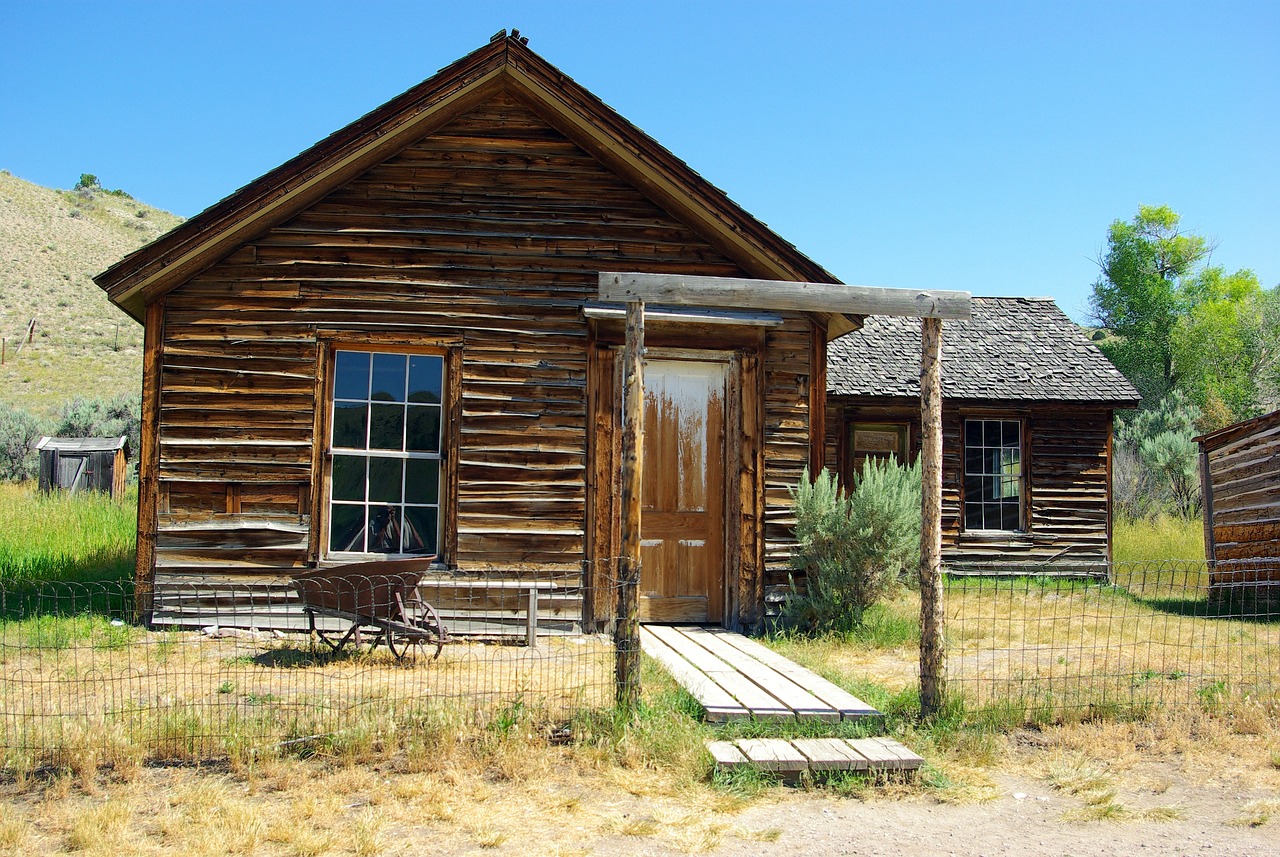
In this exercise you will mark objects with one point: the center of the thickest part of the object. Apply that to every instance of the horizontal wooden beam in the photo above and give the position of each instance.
(674, 289)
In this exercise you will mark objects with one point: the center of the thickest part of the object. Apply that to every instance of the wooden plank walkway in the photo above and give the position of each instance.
(735, 678)
(814, 754)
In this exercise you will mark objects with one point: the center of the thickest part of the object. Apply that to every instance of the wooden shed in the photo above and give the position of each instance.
(84, 464)
(1240, 478)
(1027, 428)
(390, 346)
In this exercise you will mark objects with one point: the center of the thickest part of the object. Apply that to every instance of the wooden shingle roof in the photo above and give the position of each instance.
(1022, 349)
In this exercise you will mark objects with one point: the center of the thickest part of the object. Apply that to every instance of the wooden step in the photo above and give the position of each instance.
(814, 754)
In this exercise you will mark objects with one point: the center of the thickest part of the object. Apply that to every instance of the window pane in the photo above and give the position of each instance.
(973, 459)
(991, 488)
(973, 516)
(991, 463)
(348, 477)
(425, 376)
(1009, 516)
(1009, 434)
(422, 481)
(973, 490)
(349, 424)
(346, 528)
(386, 427)
(990, 433)
(351, 375)
(384, 529)
(388, 377)
(973, 432)
(424, 429)
(420, 529)
(385, 480)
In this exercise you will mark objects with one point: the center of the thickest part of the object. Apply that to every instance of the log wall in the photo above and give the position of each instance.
(1241, 470)
(483, 239)
(1067, 454)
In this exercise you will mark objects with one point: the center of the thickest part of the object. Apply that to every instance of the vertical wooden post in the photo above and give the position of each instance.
(149, 461)
(626, 635)
(933, 655)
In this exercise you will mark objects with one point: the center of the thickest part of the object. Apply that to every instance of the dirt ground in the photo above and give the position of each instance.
(1087, 790)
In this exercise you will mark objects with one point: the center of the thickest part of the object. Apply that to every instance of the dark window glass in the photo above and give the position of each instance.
(426, 375)
(420, 528)
(386, 427)
(388, 378)
(423, 433)
(1009, 516)
(349, 424)
(385, 476)
(348, 477)
(346, 528)
(973, 433)
(422, 481)
(384, 529)
(351, 375)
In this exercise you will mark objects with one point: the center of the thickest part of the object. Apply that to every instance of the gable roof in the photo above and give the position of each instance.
(506, 64)
(1024, 349)
(1228, 434)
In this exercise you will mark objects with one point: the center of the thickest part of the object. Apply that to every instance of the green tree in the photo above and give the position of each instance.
(1140, 297)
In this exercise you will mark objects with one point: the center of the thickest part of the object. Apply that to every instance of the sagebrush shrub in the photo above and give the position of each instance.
(18, 430)
(853, 547)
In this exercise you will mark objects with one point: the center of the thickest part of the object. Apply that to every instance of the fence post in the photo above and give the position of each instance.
(932, 649)
(626, 636)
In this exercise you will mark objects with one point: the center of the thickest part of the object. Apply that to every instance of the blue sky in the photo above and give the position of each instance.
(982, 146)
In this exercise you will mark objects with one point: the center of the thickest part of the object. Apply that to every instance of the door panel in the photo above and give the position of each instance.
(682, 494)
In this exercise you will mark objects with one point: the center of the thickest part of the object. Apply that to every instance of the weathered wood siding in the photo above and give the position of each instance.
(1067, 453)
(486, 238)
(1242, 500)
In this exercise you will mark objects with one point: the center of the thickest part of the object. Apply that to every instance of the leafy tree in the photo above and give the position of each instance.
(1139, 295)
(88, 181)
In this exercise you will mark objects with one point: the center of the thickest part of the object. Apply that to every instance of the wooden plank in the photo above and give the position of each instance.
(805, 705)
(885, 754)
(830, 754)
(762, 705)
(716, 702)
(849, 706)
(686, 290)
(726, 755)
(773, 754)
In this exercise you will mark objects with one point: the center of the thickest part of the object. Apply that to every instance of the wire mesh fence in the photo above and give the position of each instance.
(1123, 639)
(229, 668)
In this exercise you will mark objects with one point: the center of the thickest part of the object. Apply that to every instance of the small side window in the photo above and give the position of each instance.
(993, 476)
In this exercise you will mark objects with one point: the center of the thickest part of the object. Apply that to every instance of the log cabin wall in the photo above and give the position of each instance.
(1066, 455)
(1240, 473)
(481, 240)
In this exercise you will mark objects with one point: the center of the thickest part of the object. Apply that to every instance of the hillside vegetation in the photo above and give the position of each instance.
(52, 242)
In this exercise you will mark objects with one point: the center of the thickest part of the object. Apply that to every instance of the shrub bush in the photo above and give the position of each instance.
(121, 415)
(18, 430)
(853, 548)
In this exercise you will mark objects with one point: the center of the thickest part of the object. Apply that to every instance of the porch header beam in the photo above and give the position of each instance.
(675, 289)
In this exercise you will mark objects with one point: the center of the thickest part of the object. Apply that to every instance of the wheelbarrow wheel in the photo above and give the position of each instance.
(427, 632)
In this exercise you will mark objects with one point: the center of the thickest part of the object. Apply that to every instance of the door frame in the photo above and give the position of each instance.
(743, 481)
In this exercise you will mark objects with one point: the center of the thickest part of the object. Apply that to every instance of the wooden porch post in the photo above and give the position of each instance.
(933, 653)
(626, 636)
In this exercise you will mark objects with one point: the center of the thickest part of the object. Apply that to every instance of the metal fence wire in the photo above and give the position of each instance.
(225, 667)
(1122, 639)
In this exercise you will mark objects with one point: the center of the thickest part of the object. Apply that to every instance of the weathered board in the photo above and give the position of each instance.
(1240, 476)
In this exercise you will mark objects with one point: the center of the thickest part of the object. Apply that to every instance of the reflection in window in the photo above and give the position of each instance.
(992, 474)
(384, 485)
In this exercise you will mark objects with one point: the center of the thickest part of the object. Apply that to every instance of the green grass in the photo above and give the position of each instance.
(65, 538)
(1166, 537)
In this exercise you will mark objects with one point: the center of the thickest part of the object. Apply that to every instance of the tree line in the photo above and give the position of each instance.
(1200, 343)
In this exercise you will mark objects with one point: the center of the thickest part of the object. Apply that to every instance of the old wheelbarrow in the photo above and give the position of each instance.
(382, 596)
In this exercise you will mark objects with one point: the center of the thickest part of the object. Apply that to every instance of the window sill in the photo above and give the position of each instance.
(996, 536)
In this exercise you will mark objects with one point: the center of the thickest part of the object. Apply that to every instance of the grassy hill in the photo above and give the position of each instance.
(52, 242)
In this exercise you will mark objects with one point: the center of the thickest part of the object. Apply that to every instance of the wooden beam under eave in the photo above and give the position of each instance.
(783, 295)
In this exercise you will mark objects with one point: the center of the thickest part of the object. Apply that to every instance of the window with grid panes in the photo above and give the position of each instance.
(993, 488)
(385, 448)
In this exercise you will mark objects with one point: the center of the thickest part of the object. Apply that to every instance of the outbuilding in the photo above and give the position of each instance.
(84, 464)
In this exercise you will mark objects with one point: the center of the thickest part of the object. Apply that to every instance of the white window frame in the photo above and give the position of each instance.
(1021, 477)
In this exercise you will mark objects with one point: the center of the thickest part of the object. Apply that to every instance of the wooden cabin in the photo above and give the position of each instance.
(1240, 478)
(1027, 428)
(84, 464)
(390, 346)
